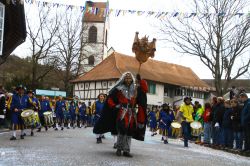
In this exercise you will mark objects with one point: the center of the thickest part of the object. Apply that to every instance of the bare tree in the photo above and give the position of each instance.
(41, 34)
(218, 33)
(70, 45)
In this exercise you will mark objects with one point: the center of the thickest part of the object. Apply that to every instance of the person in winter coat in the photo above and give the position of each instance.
(245, 120)
(236, 125)
(207, 119)
(227, 126)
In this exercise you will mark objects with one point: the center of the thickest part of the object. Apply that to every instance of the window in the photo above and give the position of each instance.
(2, 11)
(81, 85)
(93, 34)
(152, 87)
(91, 60)
(104, 84)
(110, 84)
(196, 94)
(167, 91)
(178, 92)
(189, 92)
(86, 85)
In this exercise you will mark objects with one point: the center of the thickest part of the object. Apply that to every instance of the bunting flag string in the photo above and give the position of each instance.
(105, 12)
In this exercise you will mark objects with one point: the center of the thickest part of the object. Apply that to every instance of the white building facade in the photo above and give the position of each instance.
(157, 95)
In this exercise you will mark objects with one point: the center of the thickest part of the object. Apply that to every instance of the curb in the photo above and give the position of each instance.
(4, 130)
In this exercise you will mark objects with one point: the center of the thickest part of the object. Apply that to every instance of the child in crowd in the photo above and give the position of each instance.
(165, 121)
(207, 119)
(152, 122)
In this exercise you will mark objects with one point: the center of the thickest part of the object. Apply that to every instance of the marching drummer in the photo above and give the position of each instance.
(165, 120)
(59, 108)
(186, 111)
(82, 113)
(34, 104)
(152, 122)
(16, 106)
(72, 112)
(198, 118)
(45, 106)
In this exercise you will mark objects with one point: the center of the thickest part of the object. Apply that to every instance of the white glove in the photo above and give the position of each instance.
(140, 126)
(118, 106)
(217, 125)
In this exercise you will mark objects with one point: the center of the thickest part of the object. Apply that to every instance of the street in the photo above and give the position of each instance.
(78, 147)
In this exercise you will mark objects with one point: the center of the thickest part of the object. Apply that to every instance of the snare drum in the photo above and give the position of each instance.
(28, 117)
(176, 129)
(196, 128)
(37, 123)
(48, 118)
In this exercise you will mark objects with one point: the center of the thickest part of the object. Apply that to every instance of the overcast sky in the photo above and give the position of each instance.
(123, 28)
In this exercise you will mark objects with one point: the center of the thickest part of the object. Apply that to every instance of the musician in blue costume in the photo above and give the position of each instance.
(97, 108)
(59, 108)
(165, 120)
(72, 112)
(45, 106)
(17, 105)
(172, 117)
(82, 113)
(152, 122)
(34, 104)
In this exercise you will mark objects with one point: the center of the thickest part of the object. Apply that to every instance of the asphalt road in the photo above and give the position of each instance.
(78, 147)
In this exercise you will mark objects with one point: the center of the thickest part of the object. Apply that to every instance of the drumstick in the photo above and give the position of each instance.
(163, 123)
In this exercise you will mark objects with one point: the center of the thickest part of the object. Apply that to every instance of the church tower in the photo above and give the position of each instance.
(95, 26)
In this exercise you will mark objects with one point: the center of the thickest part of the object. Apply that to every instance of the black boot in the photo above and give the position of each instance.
(98, 140)
(39, 130)
(165, 141)
(13, 138)
(22, 136)
(118, 152)
(32, 133)
(115, 146)
(127, 154)
(46, 128)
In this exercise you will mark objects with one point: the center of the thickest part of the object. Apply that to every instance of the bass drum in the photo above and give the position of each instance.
(196, 128)
(28, 117)
(37, 123)
(176, 129)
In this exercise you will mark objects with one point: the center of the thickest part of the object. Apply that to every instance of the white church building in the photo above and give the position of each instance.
(94, 37)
